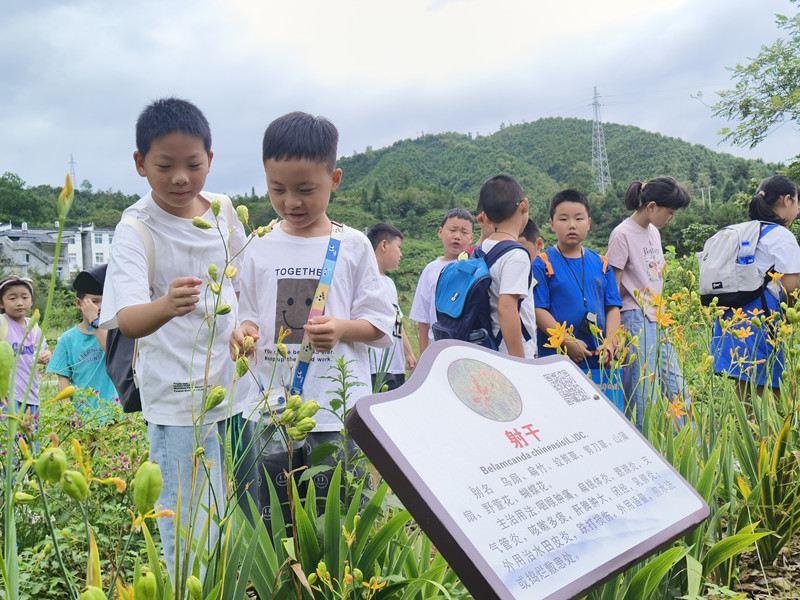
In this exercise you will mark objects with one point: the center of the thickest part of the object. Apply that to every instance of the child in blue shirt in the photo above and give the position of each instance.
(80, 358)
(575, 286)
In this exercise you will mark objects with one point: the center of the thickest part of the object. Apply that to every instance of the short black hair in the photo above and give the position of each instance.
(383, 231)
(499, 197)
(301, 135)
(171, 115)
(531, 232)
(458, 213)
(569, 196)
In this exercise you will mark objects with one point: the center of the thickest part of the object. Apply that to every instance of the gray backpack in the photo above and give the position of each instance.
(728, 269)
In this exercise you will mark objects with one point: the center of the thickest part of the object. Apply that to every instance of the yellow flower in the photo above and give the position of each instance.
(742, 333)
(557, 335)
(658, 301)
(65, 199)
(67, 392)
(775, 276)
(664, 319)
(373, 584)
(121, 485)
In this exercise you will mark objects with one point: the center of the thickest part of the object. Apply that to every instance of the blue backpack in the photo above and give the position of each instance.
(462, 298)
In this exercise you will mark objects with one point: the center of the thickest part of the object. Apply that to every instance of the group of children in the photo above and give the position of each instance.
(312, 292)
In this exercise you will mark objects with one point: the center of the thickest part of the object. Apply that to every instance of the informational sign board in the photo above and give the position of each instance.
(526, 478)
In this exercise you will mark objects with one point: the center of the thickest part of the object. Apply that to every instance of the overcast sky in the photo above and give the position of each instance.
(74, 75)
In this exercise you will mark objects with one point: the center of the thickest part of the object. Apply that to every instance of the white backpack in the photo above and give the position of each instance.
(728, 269)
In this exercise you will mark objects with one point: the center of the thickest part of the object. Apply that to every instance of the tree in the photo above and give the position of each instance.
(767, 92)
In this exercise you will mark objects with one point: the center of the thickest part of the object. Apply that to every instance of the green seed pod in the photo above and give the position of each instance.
(23, 498)
(281, 348)
(223, 309)
(51, 465)
(195, 588)
(215, 397)
(215, 288)
(287, 416)
(312, 579)
(358, 576)
(6, 364)
(145, 587)
(322, 569)
(306, 425)
(230, 271)
(147, 484)
(215, 206)
(74, 485)
(201, 223)
(93, 593)
(213, 271)
(294, 402)
(243, 214)
(756, 322)
(295, 434)
(308, 409)
(262, 231)
(242, 366)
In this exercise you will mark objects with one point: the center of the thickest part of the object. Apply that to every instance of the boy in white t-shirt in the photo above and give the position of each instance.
(280, 274)
(456, 233)
(173, 142)
(392, 363)
(511, 290)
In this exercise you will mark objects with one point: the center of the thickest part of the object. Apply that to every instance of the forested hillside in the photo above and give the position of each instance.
(413, 182)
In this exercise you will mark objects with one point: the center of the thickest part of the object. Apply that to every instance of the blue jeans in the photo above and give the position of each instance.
(173, 447)
(653, 357)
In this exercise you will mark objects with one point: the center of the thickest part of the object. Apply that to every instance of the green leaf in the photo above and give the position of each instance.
(646, 580)
(730, 547)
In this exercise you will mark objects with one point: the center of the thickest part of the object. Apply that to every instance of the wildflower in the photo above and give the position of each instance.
(373, 584)
(676, 409)
(776, 277)
(742, 333)
(120, 483)
(664, 319)
(558, 335)
(230, 271)
(65, 199)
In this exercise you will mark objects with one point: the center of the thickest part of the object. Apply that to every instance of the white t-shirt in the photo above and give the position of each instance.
(636, 250)
(172, 360)
(423, 308)
(777, 249)
(510, 275)
(395, 356)
(280, 273)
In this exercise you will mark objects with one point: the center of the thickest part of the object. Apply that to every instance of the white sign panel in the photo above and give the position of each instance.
(524, 470)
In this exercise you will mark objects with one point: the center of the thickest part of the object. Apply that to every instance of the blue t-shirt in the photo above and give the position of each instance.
(561, 294)
(79, 357)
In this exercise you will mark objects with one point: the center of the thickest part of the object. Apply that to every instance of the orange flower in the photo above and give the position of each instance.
(663, 318)
(676, 408)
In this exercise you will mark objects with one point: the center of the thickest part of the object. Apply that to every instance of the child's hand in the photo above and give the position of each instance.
(606, 352)
(45, 356)
(324, 331)
(411, 362)
(236, 343)
(183, 295)
(578, 351)
(89, 309)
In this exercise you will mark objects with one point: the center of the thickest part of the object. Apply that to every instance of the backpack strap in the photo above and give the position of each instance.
(548, 267)
(492, 257)
(143, 231)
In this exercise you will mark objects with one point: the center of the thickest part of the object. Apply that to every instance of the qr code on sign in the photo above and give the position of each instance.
(567, 386)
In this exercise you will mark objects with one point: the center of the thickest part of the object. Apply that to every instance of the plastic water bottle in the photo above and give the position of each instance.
(746, 254)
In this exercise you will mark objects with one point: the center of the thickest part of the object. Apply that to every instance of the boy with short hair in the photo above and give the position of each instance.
(510, 292)
(387, 242)
(173, 142)
(531, 238)
(282, 272)
(456, 233)
(575, 286)
(80, 355)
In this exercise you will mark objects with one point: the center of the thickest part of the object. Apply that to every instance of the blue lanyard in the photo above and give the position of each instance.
(317, 306)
